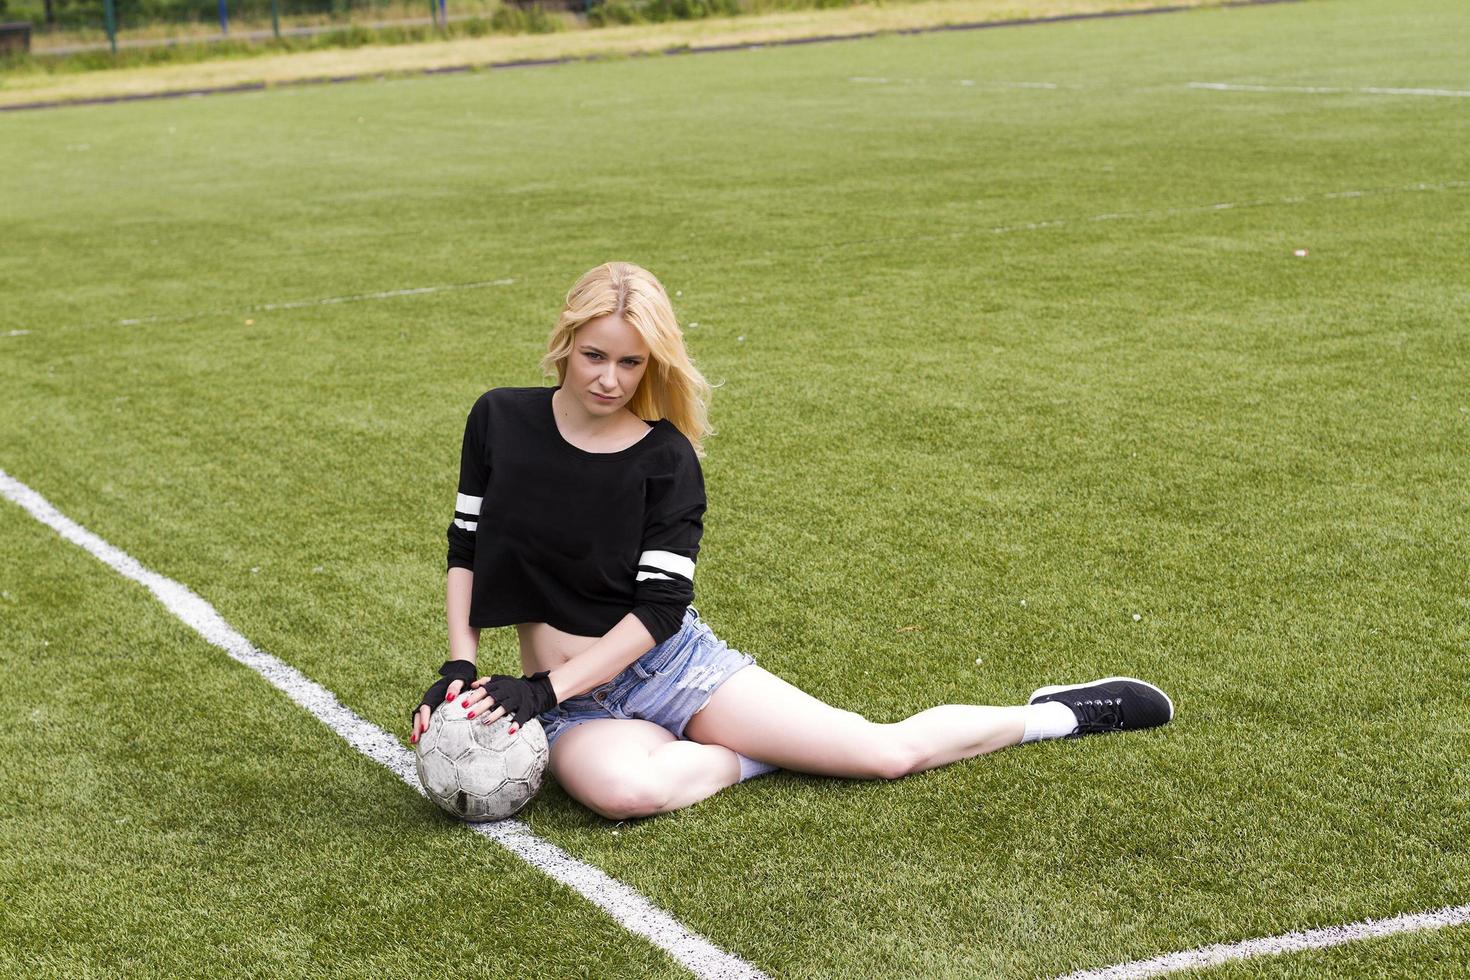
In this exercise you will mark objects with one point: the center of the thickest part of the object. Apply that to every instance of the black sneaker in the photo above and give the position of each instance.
(1113, 704)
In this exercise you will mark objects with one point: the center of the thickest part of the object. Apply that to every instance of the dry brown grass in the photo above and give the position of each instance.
(612, 41)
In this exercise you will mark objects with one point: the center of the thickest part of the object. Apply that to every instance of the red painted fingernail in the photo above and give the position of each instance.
(512, 731)
(449, 697)
(465, 703)
(470, 715)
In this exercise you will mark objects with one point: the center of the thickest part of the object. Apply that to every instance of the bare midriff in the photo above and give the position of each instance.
(544, 647)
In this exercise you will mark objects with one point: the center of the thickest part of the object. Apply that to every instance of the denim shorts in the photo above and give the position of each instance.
(668, 685)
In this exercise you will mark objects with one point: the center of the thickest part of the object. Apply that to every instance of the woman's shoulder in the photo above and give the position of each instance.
(499, 400)
(511, 395)
(674, 448)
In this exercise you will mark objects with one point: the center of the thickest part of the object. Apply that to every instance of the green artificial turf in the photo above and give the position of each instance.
(993, 367)
(1440, 953)
(166, 814)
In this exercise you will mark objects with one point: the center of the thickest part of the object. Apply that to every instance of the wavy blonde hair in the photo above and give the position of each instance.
(672, 387)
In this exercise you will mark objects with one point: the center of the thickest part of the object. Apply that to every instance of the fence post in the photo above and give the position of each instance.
(276, 18)
(111, 12)
(224, 18)
(443, 16)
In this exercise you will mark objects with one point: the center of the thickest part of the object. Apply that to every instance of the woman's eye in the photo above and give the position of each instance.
(630, 362)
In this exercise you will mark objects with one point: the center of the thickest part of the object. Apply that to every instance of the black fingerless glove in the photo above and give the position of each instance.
(523, 698)
(453, 670)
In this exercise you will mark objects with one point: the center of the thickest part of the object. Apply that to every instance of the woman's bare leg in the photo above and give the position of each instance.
(759, 715)
(630, 768)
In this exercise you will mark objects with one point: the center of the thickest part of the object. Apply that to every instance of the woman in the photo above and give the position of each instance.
(579, 523)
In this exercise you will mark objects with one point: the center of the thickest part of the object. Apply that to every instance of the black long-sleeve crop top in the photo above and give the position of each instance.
(555, 534)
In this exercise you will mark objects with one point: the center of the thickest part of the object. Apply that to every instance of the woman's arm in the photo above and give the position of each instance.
(526, 697)
(462, 533)
(464, 640)
(603, 660)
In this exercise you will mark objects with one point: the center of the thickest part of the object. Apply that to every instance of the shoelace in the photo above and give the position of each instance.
(1098, 715)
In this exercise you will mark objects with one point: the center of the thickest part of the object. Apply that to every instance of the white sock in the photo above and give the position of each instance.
(1049, 719)
(749, 768)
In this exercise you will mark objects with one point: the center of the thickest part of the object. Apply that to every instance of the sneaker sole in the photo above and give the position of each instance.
(1042, 691)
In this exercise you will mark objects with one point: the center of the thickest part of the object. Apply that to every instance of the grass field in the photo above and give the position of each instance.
(1001, 369)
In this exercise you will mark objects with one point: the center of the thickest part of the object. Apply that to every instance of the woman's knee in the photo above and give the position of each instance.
(626, 796)
(863, 749)
(603, 765)
(892, 754)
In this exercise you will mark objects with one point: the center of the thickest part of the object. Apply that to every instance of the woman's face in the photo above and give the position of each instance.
(608, 358)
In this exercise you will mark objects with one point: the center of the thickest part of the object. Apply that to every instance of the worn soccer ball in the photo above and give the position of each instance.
(476, 771)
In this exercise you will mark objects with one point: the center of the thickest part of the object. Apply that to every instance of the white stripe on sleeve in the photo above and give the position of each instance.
(465, 504)
(667, 561)
(466, 525)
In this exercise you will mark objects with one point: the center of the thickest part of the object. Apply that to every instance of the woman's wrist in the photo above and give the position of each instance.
(557, 691)
(464, 645)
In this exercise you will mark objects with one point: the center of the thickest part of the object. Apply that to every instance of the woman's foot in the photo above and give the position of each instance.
(1113, 704)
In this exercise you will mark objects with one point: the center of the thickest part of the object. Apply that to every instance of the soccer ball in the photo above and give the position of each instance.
(476, 771)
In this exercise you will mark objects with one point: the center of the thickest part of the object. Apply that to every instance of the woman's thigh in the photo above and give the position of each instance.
(759, 715)
(600, 763)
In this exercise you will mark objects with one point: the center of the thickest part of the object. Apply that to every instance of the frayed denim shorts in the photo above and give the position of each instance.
(668, 685)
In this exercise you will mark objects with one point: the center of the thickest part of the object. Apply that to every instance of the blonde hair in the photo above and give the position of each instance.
(672, 387)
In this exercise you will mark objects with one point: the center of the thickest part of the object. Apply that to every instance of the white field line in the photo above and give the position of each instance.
(631, 910)
(1291, 942)
(964, 82)
(1443, 93)
(328, 301)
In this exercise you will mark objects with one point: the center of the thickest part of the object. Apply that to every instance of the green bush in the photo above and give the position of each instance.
(347, 37)
(524, 20)
(613, 12)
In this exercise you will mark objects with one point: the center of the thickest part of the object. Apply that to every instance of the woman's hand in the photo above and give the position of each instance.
(482, 704)
(523, 698)
(454, 675)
